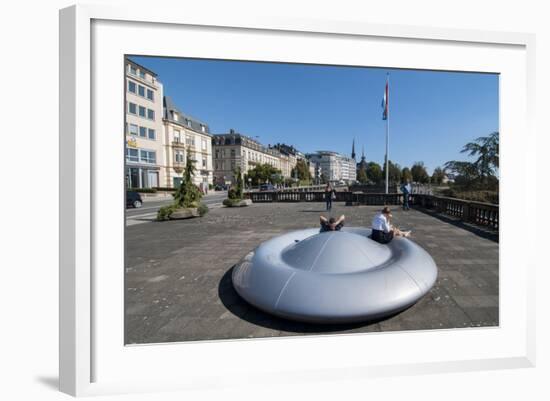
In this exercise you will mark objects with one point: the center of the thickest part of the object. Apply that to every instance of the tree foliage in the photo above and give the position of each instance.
(263, 173)
(239, 183)
(188, 194)
(374, 172)
(481, 173)
(438, 176)
(406, 174)
(419, 173)
(301, 171)
(394, 175)
(362, 176)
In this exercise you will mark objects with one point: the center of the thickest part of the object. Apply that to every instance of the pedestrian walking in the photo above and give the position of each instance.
(329, 193)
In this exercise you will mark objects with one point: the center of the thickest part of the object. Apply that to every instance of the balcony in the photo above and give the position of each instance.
(178, 144)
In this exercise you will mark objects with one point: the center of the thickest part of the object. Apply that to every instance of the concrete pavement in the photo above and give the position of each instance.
(178, 274)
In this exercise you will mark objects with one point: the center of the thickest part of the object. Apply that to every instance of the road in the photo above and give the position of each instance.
(148, 212)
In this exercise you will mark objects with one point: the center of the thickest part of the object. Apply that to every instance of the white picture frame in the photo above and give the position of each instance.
(94, 361)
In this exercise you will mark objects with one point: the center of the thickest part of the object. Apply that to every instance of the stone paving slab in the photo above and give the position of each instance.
(178, 274)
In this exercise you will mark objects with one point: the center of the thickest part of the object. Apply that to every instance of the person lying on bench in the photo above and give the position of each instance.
(382, 230)
(332, 224)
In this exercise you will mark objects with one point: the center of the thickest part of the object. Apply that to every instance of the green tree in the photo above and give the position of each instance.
(362, 175)
(487, 152)
(239, 183)
(438, 176)
(394, 175)
(406, 174)
(188, 194)
(480, 174)
(301, 171)
(374, 172)
(263, 173)
(419, 173)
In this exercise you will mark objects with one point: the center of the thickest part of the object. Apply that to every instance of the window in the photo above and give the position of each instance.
(217, 154)
(232, 153)
(191, 140)
(204, 144)
(150, 95)
(132, 155)
(177, 137)
(147, 156)
(141, 90)
(189, 123)
(132, 108)
(150, 114)
(141, 111)
(204, 162)
(203, 128)
(151, 133)
(133, 129)
(174, 115)
(131, 87)
(179, 156)
(142, 132)
(141, 74)
(133, 70)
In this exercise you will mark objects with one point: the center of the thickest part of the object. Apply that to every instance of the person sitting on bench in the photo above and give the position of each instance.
(382, 230)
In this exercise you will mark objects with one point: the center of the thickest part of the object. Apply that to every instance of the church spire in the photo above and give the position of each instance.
(363, 153)
(353, 149)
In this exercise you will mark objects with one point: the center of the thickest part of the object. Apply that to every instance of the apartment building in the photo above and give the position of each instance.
(234, 150)
(185, 135)
(145, 164)
(334, 166)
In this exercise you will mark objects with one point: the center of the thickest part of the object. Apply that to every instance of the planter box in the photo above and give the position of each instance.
(184, 213)
(241, 203)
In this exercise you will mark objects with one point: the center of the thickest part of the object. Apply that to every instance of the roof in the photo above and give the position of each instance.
(169, 109)
(141, 67)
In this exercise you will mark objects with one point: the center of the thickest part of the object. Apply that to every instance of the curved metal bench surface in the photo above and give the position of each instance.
(334, 277)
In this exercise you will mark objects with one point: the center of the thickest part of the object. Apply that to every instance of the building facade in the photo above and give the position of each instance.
(145, 162)
(234, 150)
(186, 136)
(334, 166)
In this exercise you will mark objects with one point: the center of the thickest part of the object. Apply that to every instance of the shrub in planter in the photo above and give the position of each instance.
(165, 212)
(202, 209)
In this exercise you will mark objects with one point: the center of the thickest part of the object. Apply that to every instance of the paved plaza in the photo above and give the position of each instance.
(178, 274)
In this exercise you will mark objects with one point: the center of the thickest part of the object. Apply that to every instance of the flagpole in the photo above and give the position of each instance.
(387, 130)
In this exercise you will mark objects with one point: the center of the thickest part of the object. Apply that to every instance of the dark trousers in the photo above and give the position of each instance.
(406, 201)
(381, 237)
(328, 200)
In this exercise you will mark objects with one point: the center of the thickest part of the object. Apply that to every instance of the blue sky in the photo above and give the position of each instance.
(432, 114)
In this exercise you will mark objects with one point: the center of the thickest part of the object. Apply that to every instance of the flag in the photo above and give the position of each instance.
(386, 101)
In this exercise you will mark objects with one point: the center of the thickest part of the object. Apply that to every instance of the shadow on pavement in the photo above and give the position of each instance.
(240, 308)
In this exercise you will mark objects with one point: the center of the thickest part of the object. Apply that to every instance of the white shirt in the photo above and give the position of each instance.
(380, 222)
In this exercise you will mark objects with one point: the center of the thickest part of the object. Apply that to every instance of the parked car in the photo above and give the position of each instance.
(220, 187)
(133, 199)
(267, 187)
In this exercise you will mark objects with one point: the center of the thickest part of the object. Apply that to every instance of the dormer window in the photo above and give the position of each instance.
(189, 123)
(203, 128)
(174, 115)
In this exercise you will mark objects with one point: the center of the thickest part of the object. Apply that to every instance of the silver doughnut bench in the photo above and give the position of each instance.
(334, 277)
